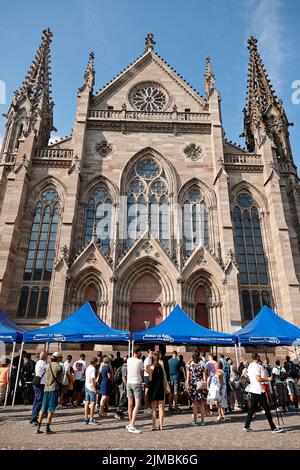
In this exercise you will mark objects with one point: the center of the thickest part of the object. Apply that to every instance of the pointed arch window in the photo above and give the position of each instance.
(33, 301)
(253, 276)
(195, 221)
(148, 202)
(98, 218)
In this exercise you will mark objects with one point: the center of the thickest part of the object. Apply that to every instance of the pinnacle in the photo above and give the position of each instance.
(252, 43)
(149, 42)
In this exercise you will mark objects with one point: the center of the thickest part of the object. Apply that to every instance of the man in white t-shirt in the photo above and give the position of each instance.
(135, 369)
(79, 369)
(64, 390)
(147, 363)
(90, 392)
(38, 387)
(257, 391)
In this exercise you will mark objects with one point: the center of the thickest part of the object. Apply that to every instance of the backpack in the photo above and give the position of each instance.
(292, 370)
(282, 374)
(118, 376)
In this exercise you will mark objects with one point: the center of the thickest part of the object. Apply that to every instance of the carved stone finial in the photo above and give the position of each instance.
(65, 253)
(230, 255)
(209, 77)
(252, 43)
(89, 75)
(149, 42)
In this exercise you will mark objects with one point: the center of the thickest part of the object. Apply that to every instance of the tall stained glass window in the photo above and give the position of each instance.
(33, 300)
(253, 277)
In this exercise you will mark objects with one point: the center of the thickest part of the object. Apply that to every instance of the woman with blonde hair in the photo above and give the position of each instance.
(158, 387)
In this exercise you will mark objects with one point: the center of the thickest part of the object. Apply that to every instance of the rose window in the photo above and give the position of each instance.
(149, 97)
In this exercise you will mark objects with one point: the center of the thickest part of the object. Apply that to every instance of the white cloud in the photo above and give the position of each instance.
(266, 24)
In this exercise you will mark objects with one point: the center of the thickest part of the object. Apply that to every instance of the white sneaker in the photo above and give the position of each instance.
(92, 421)
(277, 430)
(134, 430)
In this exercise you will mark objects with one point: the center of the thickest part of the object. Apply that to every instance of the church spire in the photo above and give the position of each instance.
(209, 78)
(31, 111)
(263, 110)
(37, 82)
(260, 90)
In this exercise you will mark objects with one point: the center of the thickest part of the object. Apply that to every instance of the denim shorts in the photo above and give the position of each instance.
(90, 396)
(134, 390)
(50, 401)
(174, 386)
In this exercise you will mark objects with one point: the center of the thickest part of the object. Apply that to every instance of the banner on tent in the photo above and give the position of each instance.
(6, 337)
(257, 339)
(211, 339)
(59, 338)
(188, 339)
(112, 336)
(161, 337)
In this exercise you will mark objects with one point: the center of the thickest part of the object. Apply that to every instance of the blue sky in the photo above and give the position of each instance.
(185, 33)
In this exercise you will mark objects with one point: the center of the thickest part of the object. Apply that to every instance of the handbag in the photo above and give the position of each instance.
(201, 385)
(37, 379)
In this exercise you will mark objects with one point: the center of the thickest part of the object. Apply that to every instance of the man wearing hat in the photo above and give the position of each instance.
(54, 377)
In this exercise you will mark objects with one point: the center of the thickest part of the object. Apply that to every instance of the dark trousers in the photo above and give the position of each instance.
(37, 402)
(259, 399)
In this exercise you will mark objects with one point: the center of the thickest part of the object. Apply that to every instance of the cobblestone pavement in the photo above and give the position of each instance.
(72, 433)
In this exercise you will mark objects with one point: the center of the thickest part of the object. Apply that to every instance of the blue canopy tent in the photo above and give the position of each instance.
(82, 326)
(10, 333)
(179, 328)
(268, 328)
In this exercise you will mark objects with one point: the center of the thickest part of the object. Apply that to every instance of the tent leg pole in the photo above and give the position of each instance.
(240, 350)
(10, 368)
(132, 346)
(129, 346)
(18, 373)
(47, 347)
(236, 355)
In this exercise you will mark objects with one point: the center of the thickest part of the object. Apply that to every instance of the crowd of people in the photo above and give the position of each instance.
(208, 383)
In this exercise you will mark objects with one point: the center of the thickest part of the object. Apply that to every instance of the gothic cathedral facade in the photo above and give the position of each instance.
(146, 204)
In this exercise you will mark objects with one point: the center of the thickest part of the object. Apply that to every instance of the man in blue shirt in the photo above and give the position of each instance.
(175, 369)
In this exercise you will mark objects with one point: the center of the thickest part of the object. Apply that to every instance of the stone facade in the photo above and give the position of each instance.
(131, 284)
